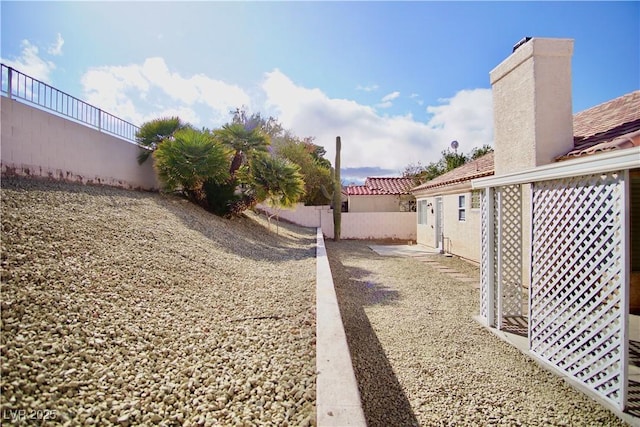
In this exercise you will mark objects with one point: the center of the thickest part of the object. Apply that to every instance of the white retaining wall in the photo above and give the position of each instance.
(37, 143)
(355, 225)
(337, 397)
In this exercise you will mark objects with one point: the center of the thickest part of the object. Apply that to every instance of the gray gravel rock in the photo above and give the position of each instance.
(420, 358)
(129, 308)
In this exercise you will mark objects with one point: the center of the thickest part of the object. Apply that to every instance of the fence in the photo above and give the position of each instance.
(48, 133)
(578, 304)
(354, 225)
(19, 86)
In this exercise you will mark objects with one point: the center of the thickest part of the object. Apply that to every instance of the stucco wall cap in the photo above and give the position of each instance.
(534, 47)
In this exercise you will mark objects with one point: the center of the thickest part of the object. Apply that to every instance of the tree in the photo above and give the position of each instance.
(271, 126)
(188, 160)
(452, 160)
(245, 141)
(151, 134)
(316, 171)
(276, 181)
(476, 153)
(449, 161)
(421, 174)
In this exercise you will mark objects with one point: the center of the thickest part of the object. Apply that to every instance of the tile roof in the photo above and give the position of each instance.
(381, 186)
(482, 166)
(612, 125)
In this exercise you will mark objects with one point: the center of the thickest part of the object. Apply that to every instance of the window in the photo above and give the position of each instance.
(462, 214)
(422, 212)
(475, 199)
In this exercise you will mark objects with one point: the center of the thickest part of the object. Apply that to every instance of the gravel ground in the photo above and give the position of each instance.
(129, 308)
(420, 358)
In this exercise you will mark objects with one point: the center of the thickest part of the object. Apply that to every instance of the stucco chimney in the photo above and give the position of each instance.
(532, 113)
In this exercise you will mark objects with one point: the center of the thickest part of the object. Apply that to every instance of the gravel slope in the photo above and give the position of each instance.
(129, 308)
(420, 358)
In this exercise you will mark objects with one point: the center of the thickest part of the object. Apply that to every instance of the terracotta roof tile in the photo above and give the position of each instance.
(381, 186)
(612, 125)
(608, 126)
(482, 166)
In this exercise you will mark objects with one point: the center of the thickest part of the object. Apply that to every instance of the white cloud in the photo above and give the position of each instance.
(416, 97)
(466, 117)
(385, 102)
(369, 88)
(56, 48)
(370, 139)
(158, 92)
(390, 97)
(29, 62)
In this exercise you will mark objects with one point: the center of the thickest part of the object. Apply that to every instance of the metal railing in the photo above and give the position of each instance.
(19, 86)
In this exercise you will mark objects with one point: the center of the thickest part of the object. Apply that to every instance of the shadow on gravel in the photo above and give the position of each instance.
(250, 239)
(241, 236)
(383, 400)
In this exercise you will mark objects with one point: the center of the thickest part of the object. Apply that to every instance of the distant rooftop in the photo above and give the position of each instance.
(381, 186)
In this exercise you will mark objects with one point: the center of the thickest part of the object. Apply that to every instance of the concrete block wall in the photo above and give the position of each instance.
(34, 142)
(355, 225)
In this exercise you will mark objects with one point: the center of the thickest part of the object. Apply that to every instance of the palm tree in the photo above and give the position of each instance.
(276, 181)
(151, 134)
(188, 160)
(244, 140)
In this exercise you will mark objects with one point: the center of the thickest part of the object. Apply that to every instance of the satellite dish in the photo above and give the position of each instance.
(454, 145)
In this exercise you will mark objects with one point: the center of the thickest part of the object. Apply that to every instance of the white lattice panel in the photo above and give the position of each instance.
(485, 256)
(577, 309)
(509, 240)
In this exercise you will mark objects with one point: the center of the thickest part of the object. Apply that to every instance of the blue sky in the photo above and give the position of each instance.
(398, 81)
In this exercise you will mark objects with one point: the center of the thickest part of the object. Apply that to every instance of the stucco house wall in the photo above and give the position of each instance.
(461, 238)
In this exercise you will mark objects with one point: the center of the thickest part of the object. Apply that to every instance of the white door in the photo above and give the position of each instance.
(438, 227)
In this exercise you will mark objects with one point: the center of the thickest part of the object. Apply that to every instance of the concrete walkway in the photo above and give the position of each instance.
(428, 256)
(432, 257)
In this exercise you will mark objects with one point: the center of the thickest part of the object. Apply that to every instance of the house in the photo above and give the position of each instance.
(381, 195)
(449, 210)
(559, 224)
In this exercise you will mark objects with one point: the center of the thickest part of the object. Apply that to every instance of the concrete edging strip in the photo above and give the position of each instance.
(337, 396)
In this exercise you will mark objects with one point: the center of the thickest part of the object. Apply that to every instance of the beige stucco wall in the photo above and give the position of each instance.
(374, 203)
(37, 143)
(354, 225)
(462, 238)
(533, 118)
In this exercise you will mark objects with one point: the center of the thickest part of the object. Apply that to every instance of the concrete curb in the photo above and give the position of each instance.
(337, 396)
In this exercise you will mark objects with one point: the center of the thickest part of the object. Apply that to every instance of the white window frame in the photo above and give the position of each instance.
(462, 208)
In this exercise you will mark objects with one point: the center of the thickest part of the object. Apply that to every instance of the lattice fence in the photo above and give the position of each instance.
(578, 280)
(501, 257)
(487, 253)
(509, 240)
